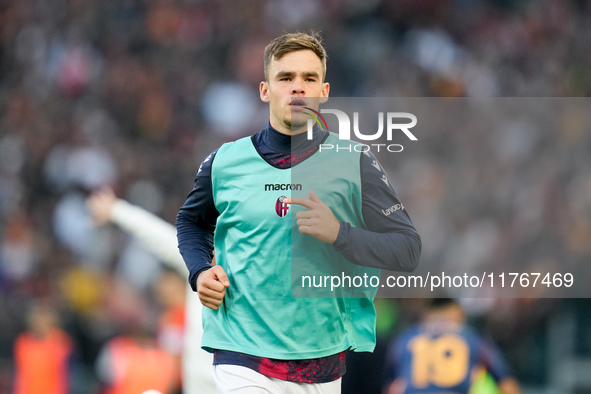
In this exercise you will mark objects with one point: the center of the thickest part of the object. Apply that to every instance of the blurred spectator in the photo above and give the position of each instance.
(133, 363)
(175, 333)
(17, 252)
(42, 354)
(170, 292)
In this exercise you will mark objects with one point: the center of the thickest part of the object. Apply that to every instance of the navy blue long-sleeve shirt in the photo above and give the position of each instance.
(390, 242)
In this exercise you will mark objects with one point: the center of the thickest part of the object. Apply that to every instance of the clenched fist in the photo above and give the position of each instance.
(211, 287)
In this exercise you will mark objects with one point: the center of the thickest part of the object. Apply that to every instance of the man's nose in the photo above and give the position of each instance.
(297, 87)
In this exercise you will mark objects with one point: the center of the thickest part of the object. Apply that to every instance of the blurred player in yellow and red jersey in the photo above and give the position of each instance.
(442, 355)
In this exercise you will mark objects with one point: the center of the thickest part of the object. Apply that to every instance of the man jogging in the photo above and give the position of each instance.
(263, 339)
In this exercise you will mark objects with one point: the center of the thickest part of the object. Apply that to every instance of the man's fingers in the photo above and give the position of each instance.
(303, 201)
(213, 290)
(211, 287)
(211, 294)
(305, 222)
(314, 197)
(213, 284)
(210, 300)
(211, 305)
(221, 275)
(304, 215)
(305, 229)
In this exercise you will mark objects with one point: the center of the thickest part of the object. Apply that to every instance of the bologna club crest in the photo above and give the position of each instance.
(281, 208)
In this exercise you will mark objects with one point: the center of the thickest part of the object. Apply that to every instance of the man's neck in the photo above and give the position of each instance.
(285, 143)
(287, 130)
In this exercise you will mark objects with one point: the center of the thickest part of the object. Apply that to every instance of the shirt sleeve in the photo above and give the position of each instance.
(391, 241)
(157, 235)
(196, 222)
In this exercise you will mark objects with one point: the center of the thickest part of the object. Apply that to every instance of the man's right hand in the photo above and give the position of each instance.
(211, 286)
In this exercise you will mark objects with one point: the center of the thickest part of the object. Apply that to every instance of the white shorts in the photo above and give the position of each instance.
(235, 379)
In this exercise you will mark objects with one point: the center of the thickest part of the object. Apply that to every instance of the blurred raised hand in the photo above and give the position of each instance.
(100, 204)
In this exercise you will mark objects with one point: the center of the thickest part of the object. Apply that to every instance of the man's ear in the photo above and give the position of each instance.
(324, 92)
(264, 91)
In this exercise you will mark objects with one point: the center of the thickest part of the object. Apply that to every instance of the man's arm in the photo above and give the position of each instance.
(390, 241)
(195, 223)
(195, 227)
(157, 235)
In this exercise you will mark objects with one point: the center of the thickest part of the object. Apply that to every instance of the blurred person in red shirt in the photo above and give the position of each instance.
(134, 363)
(170, 293)
(42, 354)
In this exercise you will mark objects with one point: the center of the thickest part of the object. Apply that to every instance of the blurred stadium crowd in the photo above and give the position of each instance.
(135, 93)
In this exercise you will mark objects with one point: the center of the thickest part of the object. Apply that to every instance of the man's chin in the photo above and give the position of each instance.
(297, 120)
(296, 126)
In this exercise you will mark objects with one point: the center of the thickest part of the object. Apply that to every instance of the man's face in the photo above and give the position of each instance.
(296, 75)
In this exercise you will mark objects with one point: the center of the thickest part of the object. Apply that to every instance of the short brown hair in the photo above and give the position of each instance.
(292, 42)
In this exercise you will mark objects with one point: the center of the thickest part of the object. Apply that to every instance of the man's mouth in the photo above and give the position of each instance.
(298, 103)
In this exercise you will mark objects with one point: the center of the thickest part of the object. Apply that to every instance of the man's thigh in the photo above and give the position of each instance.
(234, 379)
